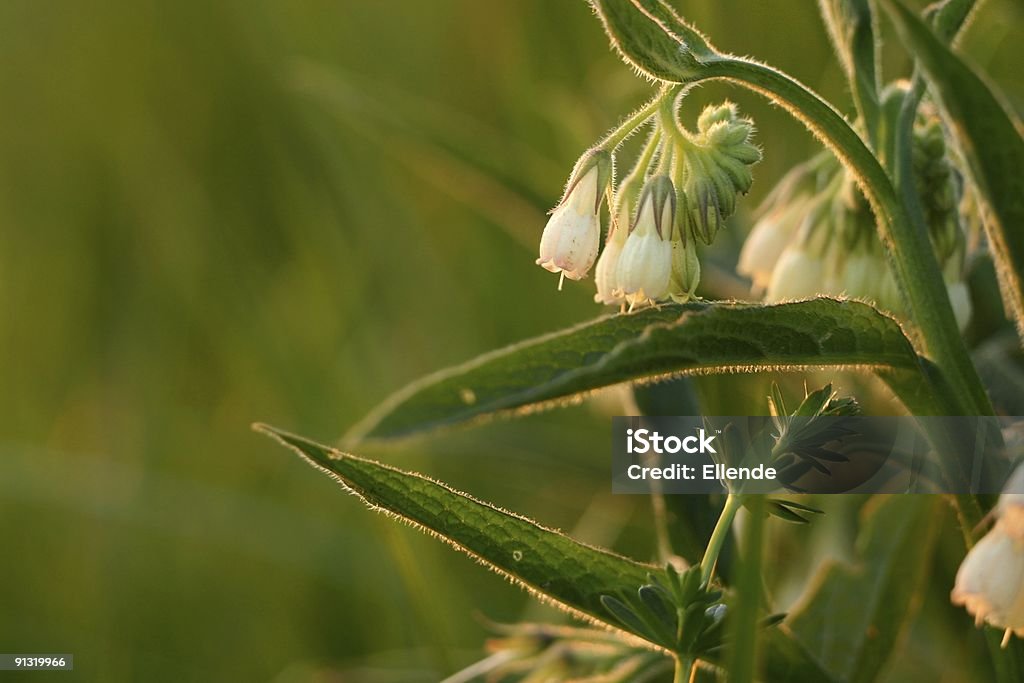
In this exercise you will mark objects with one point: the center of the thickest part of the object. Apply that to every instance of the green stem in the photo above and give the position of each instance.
(684, 669)
(635, 120)
(733, 503)
(743, 651)
(910, 250)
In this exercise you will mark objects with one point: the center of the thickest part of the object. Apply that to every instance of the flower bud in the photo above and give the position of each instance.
(571, 238)
(704, 214)
(605, 275)
(719, 168)
(685, 270)
(644, 269)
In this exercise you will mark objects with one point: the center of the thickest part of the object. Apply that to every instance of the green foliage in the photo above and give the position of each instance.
(189, 241)
(851, 24)
(551, 565)
(688, 338)
(651, 36)
(852, 618)
(991, 142)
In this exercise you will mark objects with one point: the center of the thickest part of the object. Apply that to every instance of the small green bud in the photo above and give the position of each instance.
(685, 270)
(716, 113)
(704, 216)
(718, 168)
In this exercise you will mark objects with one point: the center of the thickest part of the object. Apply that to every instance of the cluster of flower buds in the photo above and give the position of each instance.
(990, 582)
(718, 168)
(816, 233)
(682, 187)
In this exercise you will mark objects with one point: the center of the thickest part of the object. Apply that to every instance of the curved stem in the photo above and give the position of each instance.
(733, 503)
(910, 251)
(615, 138)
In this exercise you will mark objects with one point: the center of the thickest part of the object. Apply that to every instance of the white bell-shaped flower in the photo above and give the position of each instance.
(644, 272)
(990, 582)
(859, 275)
(606, 273)
(766, 242)
(798, 274)
(573, 233)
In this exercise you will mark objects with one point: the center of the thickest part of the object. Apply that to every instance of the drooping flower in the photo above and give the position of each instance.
(800, 271)
(766, 242)
(797, 275)
(606, 273)
(990, 581)
(644, 272)
(573, 233)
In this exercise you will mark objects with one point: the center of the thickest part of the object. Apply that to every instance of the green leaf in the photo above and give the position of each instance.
(652, 38)
(990, 140)
(852, 616)
(688, 338)
(549, 564)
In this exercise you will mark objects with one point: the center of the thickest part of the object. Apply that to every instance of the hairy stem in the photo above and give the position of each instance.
(910, 250)
(636, 119)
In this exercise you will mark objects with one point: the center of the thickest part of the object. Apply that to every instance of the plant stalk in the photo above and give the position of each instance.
(909, 249)
(733, 503)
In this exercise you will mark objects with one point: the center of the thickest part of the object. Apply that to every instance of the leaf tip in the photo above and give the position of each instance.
(309, 450)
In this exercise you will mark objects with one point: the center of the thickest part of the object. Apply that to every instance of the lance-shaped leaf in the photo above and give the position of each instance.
(991, 142)
(688, 338)
(548, 563)
(574, 576)
(852, 617)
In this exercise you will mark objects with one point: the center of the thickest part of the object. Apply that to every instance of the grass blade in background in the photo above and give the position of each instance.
(689, 338)
(991, 143)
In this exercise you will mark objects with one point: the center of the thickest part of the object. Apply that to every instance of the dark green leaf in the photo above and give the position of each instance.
(853, 616)
(549, 564)
(689, 338)
(652, 38)
(625, 617)
(991, 143)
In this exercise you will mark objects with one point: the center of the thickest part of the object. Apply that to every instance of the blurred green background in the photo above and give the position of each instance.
(213, 213)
